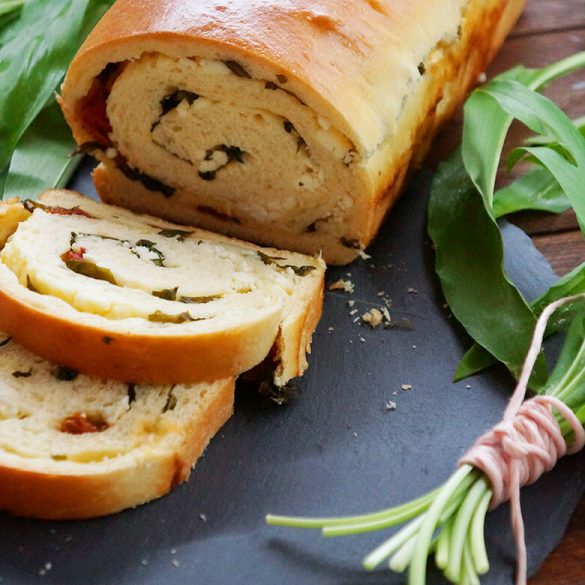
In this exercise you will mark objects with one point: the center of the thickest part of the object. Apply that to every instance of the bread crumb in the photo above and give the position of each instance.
(390, 405)
(373, 318)
(355, 434)
(381, 293)
(352, 313)
(203, 517)
(351, 303)
(362, 339)
(330, 329)
(412, 291)
(176, 563)
(344, 285)
(406, 387)
(363, 255)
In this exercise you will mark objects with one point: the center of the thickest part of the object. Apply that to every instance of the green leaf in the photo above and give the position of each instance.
(478, 359)
(91, 270)
(537, 190)
(483, 143)
(569, 352)
(43, 157)
(34, 56)
(469, 261)
(543, 116)
(9, 12)
(481, 152)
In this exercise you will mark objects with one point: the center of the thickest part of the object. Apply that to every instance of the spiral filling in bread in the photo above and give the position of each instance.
(193, 124)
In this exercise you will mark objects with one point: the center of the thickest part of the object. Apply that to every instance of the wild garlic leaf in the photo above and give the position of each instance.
(483, 143)
(536, 190)
(42, 158)
(9, 11)
(469, 258)
(35, 53)
(570, 357)
(478, 359)
(543, 116)
(481, 151)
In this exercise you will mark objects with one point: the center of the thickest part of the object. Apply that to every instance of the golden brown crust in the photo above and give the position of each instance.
(63, 496)
(450, 80)
(292, 349)
(133, 357)
(287, 37)
(391, 118)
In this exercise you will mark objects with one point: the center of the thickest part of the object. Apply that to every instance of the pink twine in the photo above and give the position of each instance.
(527, 443)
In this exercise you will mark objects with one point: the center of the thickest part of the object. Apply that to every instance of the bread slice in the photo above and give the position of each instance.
(72, 446)
(133, 298)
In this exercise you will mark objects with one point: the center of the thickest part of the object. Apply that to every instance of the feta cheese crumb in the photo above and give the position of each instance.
(406, 387)
(390, 405)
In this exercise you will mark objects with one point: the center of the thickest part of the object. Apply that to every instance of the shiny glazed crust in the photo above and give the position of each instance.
(97, 346)
(395, 70)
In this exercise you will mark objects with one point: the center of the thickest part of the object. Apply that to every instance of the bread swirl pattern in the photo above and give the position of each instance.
(149, 301)
(281, 122)
(72, 446)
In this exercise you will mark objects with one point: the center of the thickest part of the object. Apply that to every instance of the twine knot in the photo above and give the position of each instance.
(527, 442)
(517, 451)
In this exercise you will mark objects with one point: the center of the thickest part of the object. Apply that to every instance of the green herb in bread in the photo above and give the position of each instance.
(175, 305)
(73, 446)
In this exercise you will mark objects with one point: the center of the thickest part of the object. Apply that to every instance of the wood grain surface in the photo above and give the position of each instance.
(550, 30)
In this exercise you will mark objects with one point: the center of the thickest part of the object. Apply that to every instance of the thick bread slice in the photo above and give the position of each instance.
(73, 447)
(130, 297)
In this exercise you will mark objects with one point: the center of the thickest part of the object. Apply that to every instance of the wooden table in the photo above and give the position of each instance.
(548, 30)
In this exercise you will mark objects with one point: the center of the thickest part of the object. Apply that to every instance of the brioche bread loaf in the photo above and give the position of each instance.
(134, 298)
(285, 122)
(72, 446)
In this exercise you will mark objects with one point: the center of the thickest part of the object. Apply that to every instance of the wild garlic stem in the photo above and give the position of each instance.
(418, 566)
(396, 515)
(477, 534)
(461, 528)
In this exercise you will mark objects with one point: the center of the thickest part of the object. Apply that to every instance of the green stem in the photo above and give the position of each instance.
(477, 535)
(461, 529)
(407, 511)
(442, 556)
(387, 548)
(419, 560)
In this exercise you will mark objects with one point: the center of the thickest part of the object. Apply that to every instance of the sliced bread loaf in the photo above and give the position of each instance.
(72, 446)
(132, 297)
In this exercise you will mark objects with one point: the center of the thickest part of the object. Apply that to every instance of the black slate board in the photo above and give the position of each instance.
(334, 449)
